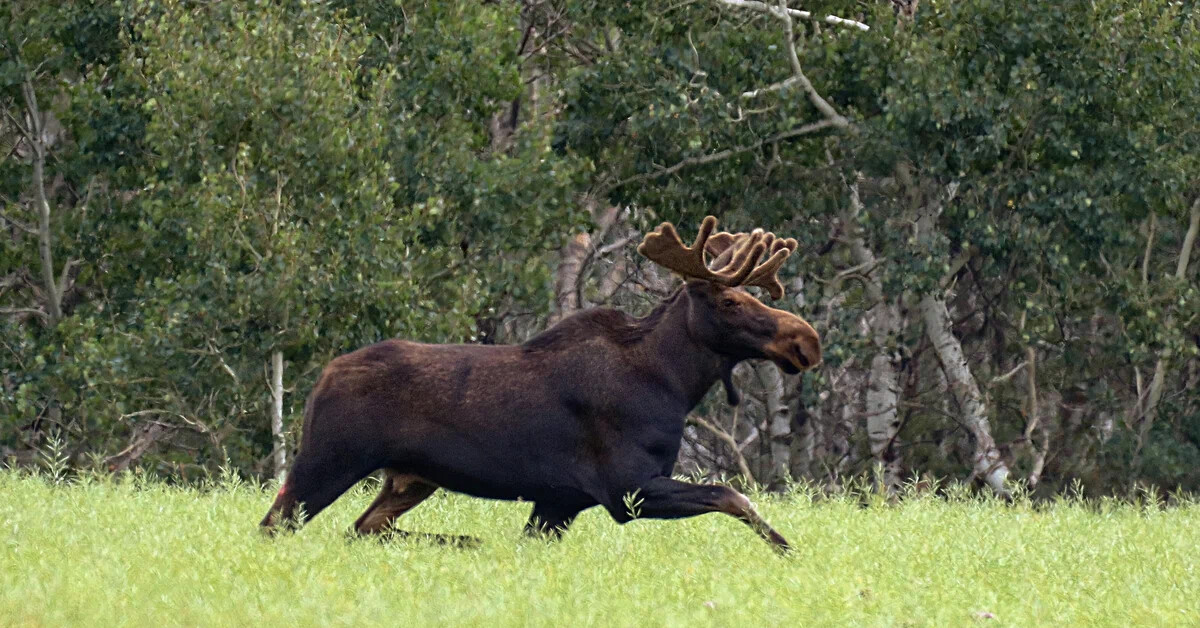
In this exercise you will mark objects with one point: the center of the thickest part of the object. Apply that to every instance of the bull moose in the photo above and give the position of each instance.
(586, 413)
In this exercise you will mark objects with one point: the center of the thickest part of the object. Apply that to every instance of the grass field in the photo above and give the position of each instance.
(98, 553)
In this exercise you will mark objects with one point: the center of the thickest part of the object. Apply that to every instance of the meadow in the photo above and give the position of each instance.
(98, 552)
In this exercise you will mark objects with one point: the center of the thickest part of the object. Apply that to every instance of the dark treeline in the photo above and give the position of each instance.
(997, 205)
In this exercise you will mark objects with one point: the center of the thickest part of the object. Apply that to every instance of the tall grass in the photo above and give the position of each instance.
(93, 552)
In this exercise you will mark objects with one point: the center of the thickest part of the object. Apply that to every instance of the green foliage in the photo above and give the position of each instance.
(263, 177)
(234, 178)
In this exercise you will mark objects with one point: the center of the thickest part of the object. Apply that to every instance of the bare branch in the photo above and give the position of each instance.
(776, 87)
(16, 223)
(25, 133)
(820, 103)
(859, 272)
(1039, 458)
(1189, 240)
(151, 411)
(728, 440)
(141, 441)
(725, 154)
(66, 273)
(956, 265)
(797, 13)
(226, 368)
(1149, 247)
(1000, 379)
(13, 311)
(617, 245)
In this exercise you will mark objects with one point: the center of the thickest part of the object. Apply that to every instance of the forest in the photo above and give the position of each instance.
(997, 205)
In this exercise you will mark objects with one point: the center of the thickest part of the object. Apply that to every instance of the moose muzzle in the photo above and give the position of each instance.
(796, 346)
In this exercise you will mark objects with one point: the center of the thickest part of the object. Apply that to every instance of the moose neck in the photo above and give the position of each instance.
(687, 367)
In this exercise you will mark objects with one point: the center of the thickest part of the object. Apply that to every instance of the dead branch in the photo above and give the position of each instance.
(728, 440)
(724, 154)
(804, 15)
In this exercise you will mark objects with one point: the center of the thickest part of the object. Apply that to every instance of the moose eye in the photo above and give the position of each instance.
(729, 303)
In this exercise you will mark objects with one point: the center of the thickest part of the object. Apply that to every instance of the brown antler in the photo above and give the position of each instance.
(737, 255)
(764, 275)
(663, 247)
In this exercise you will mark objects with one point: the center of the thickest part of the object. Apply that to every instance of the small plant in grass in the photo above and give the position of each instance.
(633, 504)
(54, 459)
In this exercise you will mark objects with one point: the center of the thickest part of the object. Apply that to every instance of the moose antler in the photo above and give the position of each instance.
(764, 275)
(737, 255)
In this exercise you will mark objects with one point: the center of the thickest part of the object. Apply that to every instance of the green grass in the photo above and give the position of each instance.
(99, 553)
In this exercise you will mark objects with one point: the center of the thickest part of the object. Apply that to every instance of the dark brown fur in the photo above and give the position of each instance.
(583, 414)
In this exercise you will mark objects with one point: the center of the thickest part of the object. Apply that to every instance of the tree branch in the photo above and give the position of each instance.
(826, 109)
(725, 154)
(16, 223)
(728, 440)
(1147, 409)
(1031, 379)
(37, 143)
(776, 87)
(1149, 248)
(999, 379)
(13, 311)
(1189, 240)
(804, 15)
(832, 117)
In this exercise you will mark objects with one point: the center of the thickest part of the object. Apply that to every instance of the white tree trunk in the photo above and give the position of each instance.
(280, 442)
(1154, 395)
(988, 463)
(36, 137)
(883, 390)
(566, 278)
(883, 386)
(883, 419)
(778, 420)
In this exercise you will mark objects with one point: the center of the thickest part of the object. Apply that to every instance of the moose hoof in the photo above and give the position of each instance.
(778, 543)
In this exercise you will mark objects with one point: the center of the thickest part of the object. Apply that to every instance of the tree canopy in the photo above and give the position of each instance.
(997, 205)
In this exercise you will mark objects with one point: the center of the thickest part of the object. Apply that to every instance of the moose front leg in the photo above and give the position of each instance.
(549, 520)
(665, 498)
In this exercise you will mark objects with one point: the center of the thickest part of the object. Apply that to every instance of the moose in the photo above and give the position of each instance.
(589, 412)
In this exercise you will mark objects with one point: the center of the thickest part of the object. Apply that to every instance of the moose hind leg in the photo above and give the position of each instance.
(400, 493)
(665, 498)
(550, 521)
(312, 484)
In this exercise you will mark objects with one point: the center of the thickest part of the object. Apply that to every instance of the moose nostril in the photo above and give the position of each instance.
(801, 358)
(815, 357)
(809, 353)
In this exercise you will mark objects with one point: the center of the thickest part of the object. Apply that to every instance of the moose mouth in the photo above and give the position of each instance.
(788, 367)
(792, 361)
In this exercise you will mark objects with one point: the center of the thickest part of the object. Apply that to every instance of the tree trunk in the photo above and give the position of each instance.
(883, 420)
(883, 387)
(1189, 240)
(988, 463)
(1154, 395)
(567, 279)
(280, 441)
(37, 141)
(778, 423)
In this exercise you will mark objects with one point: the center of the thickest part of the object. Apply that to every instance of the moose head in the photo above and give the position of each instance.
(722, 314)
